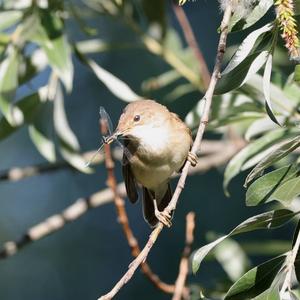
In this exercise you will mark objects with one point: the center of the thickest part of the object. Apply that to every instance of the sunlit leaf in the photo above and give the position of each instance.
(119, 88)
(256, 147)
(262, 190)
(269, 294)
(29, 106)
(8, 86)
(267, 220)
(256, 13)
(241, 73)
(9, 18)
(256, 281)
(287, 191)
(266, 88)
(245, 48)
(56, 46)
(280, 152)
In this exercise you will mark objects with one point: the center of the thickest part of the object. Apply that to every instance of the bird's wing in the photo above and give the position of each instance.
(129, 179)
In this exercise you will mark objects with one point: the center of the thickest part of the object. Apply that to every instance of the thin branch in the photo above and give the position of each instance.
(184, 263)
(196, 145)
(192, 42)
(123, 218)
(290, 261)
(20, 173)
(221, 152)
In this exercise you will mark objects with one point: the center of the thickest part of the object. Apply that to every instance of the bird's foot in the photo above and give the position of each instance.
(193, 159)
(163, 217)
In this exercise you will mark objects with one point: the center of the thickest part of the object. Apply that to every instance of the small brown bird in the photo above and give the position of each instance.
(159, 144)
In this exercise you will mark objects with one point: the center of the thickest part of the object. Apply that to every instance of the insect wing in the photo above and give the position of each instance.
(106, 118)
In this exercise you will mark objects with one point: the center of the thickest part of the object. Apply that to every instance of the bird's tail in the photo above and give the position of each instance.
(148, 205)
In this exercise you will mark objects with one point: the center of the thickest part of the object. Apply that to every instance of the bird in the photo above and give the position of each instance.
(157, 143)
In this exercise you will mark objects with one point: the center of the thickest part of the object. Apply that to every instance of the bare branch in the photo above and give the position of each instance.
(184, 263)
(220, 153)
(191, 40)
(180, 185)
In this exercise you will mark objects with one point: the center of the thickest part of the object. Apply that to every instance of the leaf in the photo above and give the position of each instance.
(256, 13)
(241, 73)
(119, 88)
(232, 258)
(236, 163)
(68, 143)
(8, 86)
(266, 88)
(246, 47)
(256, 281)
(261, 126)
(287, 191)
(267, 220)
(61, 124)
(56, 47)
(9, 18)
(29, 106)
(297, 260)
(262, 190)
(281, 151)
(297, 74)
(269, 294)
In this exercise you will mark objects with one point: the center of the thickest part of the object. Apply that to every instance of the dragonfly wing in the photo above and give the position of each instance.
(105, 116)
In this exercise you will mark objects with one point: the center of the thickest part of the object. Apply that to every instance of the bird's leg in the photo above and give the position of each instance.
(193, 159)
(162, 216)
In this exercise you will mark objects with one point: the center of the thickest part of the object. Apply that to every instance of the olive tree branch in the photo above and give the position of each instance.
(196, 145)
(184, 263)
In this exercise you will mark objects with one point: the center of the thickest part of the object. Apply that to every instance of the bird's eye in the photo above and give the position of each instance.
(136, 118)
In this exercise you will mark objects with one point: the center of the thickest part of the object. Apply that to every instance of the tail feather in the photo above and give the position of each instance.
(148, 206)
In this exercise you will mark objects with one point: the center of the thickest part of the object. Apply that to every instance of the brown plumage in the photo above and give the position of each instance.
(158, 143)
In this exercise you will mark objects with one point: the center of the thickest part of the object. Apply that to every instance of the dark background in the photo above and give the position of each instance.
(87, 257)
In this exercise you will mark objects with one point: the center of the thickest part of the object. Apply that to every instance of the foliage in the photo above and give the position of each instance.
(254, 98)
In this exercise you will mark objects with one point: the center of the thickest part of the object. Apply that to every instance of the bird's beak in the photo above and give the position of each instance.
(108, 140)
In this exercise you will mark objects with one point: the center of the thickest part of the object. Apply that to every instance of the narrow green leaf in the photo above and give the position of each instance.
(268, 220)
(8, 86)
(297, 74)
(256, 281)
(56, 47)
(287, 191)
(266, 88)
(246, 47)
(281, 151)
(68, 143)
(241, 73)
(29, 106)
(269, 294)
(262, 190)
(236, 163)
(255, 14)
(61, 123)
(9, 18)
(119, 88)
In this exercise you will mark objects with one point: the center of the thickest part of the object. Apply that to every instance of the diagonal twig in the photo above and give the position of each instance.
(196, 145)
(184, 263)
